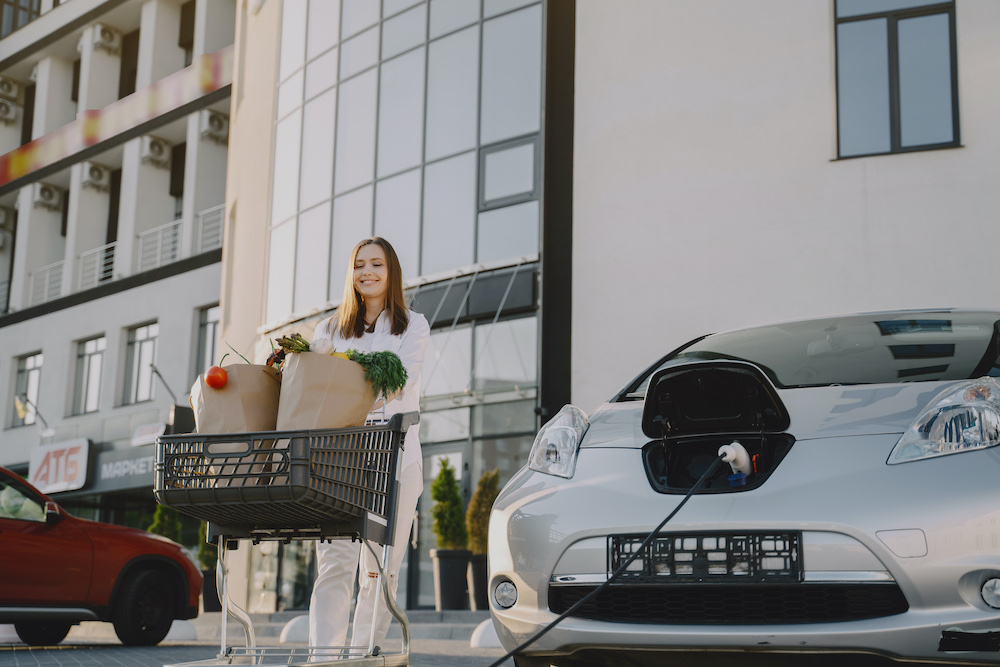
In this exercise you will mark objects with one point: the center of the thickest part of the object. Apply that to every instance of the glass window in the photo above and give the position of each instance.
(444, 425)
(508, 172)
(494, 7)
(18, 502)
(358, 15)
(397, 217)
(449, 15)
(508, 232)
(449, 211)
(293, 26)
(324, 26)
(403, 32)
(512, 75)
(506, 354)
(280, 271)
(316, 183)
(312, 243)
(507, 454)
(208, 338)
(352, 221)
(447, 363)
(140, 356)
(401, 113)
(359, 53)
(506, 417)
(355, 150)
(452, 85)
(89, 358)
(286, 168)
(321, 73)
(290, 94)
(895, 88)
(391, 7)
(29, 375)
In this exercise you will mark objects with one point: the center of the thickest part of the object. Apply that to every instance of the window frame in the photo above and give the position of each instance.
(23, 386)
(892, 18)
(132, 371)
(83, 371)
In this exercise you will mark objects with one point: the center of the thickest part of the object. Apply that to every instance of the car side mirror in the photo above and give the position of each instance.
(52, 513)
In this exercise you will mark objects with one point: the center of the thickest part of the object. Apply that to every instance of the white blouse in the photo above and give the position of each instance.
(410, 346)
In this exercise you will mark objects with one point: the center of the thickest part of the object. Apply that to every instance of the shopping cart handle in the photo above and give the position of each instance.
(402, 421)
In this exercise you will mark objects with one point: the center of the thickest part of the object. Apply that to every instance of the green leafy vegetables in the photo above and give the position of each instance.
(384, 370)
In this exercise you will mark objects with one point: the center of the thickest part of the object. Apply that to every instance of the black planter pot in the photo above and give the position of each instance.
(450, 588)
(477, 576)
(209, 592)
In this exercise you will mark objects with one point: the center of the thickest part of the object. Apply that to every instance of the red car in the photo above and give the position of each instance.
(57, 570)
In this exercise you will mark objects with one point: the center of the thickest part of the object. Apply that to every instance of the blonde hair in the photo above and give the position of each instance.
(351, 313)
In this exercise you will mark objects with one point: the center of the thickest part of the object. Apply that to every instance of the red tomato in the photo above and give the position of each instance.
(216, 377)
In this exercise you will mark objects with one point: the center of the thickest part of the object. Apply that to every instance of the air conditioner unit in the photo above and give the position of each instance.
(46, 195)
(155, 151)
(107, 38)
(9, 89)
(214, 125)
(96, 176)
(8, 111)
(6, 219)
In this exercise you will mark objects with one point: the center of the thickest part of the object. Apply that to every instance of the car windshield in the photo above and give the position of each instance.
(858, 349)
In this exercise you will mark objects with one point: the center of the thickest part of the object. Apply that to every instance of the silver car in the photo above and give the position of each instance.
(853, 507)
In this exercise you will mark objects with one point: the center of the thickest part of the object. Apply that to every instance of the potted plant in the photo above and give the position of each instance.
(451, 558)
(208, 556)
(477, 523)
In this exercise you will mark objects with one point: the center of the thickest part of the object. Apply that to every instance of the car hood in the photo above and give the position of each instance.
(125, 531)
(816, 412)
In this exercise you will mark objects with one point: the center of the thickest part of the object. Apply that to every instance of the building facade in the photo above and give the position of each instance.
(112, 192)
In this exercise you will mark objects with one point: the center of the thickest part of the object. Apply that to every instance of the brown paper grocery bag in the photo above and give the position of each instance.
(248, 402)
(322, 391)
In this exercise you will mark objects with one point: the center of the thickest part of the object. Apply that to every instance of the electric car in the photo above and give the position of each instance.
(832, 488)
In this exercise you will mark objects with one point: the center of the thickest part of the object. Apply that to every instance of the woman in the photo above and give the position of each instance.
(372, 317)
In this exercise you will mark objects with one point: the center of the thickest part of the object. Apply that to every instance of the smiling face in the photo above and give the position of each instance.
(371, 272)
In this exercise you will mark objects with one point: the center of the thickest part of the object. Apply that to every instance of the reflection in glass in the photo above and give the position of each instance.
(404, 31)
(290, 94)
(863, 87)
(293, 26)
(509, 172)
(286, 167)
(506, 354)
(925, 102)
(447, 362)
(316, 183)
(324, 26)
(358, 15)
(355, 151)
(321, 73)
(352, 221)
(511, 231)
(312, 244)
(397, 217)
(448, 15)
(507, 454)
(280, 271)
(359, 53)
(847, 8)
(453, 79)
(401, 113)
(449, 212)
(444, 425)
(512, 75)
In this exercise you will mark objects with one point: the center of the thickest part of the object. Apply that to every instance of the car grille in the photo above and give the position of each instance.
(736, 604)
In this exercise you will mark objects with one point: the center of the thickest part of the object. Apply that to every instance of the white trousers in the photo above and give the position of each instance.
(338, 561)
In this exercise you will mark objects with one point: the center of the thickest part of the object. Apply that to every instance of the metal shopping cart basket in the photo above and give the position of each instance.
(290, 485)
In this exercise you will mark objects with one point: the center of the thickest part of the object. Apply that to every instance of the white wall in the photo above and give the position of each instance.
(707, 194)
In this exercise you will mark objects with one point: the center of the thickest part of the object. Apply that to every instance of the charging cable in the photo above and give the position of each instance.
(635, 554)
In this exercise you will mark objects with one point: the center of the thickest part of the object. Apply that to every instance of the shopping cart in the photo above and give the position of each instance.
(290, 485)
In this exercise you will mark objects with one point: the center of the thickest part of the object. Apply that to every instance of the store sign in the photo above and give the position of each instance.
(61, 466)
(122, 469)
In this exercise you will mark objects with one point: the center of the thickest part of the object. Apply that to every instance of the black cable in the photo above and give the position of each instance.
(628, 561)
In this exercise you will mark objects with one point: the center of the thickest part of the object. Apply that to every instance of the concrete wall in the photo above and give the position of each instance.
(708, 196)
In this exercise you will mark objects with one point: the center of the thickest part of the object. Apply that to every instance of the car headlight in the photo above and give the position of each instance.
(963, 418)
(557, 444)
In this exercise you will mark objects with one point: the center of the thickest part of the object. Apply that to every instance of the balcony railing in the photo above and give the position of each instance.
(96, 266)
(159, 246)
(210, 228)
(45, 284)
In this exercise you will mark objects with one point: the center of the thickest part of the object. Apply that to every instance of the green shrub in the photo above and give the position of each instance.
(208, 554)
(447, 514)
(166, 522)
(477, 518)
